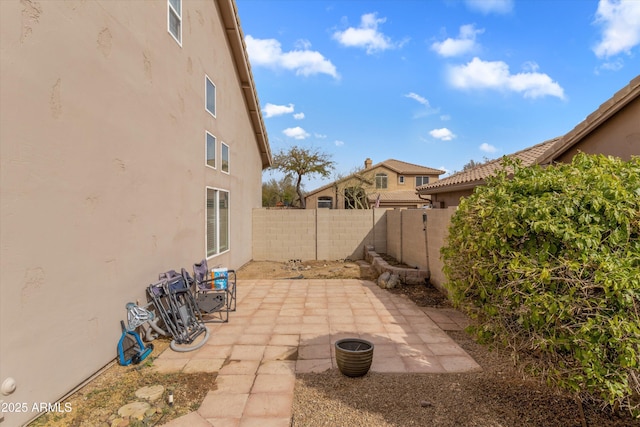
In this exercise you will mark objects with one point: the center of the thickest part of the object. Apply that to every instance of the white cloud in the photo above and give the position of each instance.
(445, 117)
(320, 136)
(446, 171)
(465, 43)
(487, 148)
(268, 53)
(338, 143)
(620, 21)
(490, 6)
(478, 74)
(296, 133)
(366, 35)
(422, 100)
(272, 110)
(298, 116)
(442, 134)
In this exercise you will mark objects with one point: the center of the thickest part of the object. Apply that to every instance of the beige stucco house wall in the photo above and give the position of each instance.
(103, 171)
(393, 179)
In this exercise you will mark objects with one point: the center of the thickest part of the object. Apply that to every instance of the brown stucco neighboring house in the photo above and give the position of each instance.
(132, 143)
(448, 191)
(613, 129)
(387, 184)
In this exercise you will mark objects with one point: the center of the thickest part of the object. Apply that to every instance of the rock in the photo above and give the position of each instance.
(383, 279)
(425, 404)
(120, 422)
(394, 281)
(134, 410)
(150, 393)
(388, 280)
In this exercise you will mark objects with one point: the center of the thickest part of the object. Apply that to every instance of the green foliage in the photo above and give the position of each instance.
(548, 260)
(282, 190)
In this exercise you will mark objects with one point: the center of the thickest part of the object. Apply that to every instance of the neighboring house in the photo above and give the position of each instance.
(132, 143)
(386, 184)
(448, 191)
(613, 129)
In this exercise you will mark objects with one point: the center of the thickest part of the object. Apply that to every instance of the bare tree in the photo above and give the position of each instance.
(298, 162)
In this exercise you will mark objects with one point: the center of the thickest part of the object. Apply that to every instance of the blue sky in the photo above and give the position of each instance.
(437, 82)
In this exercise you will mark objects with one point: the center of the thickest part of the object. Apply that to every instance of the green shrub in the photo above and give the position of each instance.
(548, 261)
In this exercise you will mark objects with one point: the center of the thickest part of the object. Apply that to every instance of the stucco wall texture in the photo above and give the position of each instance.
(103, 176)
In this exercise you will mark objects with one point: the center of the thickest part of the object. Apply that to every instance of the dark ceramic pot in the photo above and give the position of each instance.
(354, 356)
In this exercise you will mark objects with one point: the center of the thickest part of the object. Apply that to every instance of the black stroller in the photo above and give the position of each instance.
(174, 302)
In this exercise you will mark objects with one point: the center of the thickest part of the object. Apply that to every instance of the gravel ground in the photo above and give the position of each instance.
(498, 396)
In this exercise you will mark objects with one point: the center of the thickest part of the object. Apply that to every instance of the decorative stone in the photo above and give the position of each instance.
(150, 393)
(120, 422)
(425, 404)
(388, 281)
(134, 410)
(383, 279)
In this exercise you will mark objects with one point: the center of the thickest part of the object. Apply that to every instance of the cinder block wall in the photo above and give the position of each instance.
(438, 221)
(414, 249)
(343, 234)
(284, 234)
(380, 229)
(406, 239)
(394, 235)
(310, 234)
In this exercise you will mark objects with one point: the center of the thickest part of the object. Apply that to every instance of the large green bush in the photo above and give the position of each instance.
(548, 260)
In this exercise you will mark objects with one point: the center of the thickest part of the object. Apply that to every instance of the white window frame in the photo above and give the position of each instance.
(222, 150)
(207, 80)
(178, 14)
(208, 134)
(216, 250)
(401, 179)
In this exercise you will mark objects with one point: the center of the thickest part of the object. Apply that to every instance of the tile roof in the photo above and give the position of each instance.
(408, 168)
(607, 109)
(397, 166)
(476, 176)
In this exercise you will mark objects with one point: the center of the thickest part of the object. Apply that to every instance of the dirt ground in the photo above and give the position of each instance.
(499, 396)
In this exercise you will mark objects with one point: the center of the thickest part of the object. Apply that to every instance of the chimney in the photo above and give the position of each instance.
(367, 163)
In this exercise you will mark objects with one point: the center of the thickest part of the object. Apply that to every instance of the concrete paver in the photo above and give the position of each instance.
(284, 327)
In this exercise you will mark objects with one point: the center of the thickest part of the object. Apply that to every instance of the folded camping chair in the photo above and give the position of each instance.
(213, 295)
(182, 310)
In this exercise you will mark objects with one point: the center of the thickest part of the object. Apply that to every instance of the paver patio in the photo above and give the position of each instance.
(284, 327)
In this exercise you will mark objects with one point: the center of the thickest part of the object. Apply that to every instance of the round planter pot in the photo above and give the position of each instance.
(354, 356)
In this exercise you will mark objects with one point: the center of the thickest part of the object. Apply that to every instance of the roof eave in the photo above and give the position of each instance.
(606, 110)
(233, 30)
(451, 188)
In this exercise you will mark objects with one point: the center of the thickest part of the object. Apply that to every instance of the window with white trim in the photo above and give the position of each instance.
(210, 96)
(421, 180)
(217, 233)
(225, 157)
(211, 150)
(401, 179)
(174, 19)
(381, 180)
